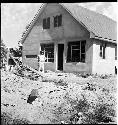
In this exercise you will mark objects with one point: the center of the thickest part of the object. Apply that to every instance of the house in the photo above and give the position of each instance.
(73, 38)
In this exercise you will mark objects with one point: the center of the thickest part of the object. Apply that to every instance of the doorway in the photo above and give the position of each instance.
(60, 56)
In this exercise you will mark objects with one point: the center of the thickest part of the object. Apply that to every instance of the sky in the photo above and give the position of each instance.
(15, 17)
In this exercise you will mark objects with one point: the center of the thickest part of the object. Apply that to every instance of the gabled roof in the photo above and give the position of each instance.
(100, 26)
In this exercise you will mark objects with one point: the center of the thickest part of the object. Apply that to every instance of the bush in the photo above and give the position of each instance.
(94, 108)
(7, 119)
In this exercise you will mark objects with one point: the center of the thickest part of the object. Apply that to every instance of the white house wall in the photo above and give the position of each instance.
(107, 65)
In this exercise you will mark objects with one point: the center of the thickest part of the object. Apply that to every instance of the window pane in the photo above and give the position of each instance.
(51, 60)
(50, 55)
(75, 47)
(75, 55)
(83, 43)
(82, 57)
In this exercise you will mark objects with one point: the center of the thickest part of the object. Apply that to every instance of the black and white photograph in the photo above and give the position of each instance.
(59, 63)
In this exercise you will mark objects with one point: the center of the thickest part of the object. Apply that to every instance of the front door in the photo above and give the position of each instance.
(60, 56)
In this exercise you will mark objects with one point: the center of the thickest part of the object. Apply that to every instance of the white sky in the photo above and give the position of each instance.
(15, 17)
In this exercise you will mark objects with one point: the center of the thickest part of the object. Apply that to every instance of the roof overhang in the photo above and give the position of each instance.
(92, 35)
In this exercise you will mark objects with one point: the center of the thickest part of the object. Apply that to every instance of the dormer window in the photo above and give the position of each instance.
(58, 21)
(46, 23)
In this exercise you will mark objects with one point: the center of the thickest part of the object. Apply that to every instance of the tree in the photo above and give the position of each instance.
(3, 52)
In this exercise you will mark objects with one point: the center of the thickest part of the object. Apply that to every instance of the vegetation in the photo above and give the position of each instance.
(3, 49)
(66, 99)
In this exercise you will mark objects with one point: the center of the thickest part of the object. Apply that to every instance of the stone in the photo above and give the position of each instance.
(32, 96)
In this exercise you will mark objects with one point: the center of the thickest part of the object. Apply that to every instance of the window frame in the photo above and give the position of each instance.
(57, 20)
(71, 49)
(103, 50)
(44, 48)
(46, 23)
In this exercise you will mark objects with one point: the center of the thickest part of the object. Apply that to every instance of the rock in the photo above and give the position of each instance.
(31, 99)
(32, 96)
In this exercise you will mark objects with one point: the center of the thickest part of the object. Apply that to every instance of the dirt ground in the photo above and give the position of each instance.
(61, 98)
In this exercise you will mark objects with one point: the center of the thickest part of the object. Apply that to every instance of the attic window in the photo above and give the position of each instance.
(46, 23)
(102, 50)
(58, 21)
(76, 51)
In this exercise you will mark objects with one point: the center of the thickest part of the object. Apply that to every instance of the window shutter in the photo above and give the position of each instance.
(44, 23)
(59, 20)
(48, 23)
(55, 21)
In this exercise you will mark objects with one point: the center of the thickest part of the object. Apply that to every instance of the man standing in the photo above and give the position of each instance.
(41, 61)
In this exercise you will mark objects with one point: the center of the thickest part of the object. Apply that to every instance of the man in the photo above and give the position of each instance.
(41, 60)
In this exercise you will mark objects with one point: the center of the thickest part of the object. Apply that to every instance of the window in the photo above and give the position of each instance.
(31, 56)
(115, 52)
(76, 51)
(46, 23)
(58, 21)
(48, 50)
(102, 50)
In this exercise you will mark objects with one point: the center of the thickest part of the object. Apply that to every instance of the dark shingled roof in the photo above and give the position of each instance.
(101, 26)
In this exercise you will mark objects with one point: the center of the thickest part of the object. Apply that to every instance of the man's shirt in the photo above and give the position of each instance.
(42, 58)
